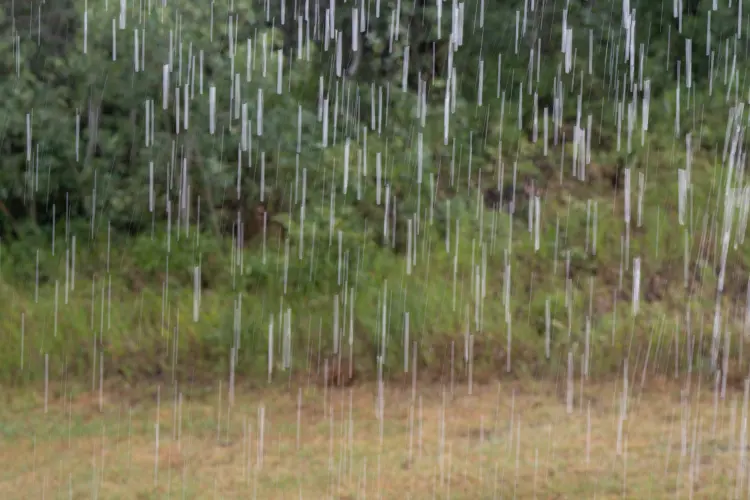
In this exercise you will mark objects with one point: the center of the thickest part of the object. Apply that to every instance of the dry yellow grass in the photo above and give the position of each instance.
(505, 440)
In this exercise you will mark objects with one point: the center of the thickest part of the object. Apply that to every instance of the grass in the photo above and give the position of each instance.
(132, 307)
(134, 294)
(506, 439)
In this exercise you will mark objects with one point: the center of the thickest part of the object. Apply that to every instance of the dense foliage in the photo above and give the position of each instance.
(79, 101)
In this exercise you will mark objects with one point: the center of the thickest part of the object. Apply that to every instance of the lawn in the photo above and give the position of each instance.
(506, 439)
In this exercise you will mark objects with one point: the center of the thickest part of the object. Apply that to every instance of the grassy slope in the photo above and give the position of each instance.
(139, 322)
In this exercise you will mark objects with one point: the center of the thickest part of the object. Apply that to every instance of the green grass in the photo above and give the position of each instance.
(146, 325)
(143, 322)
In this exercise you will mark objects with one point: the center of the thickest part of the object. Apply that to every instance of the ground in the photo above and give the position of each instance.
(498, 440)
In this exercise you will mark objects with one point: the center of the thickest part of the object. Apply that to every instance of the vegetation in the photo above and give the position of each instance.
(319, 197)
(500, 441)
